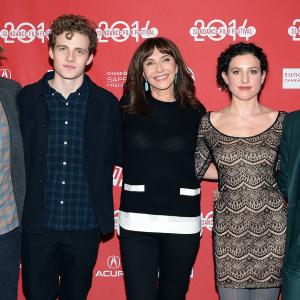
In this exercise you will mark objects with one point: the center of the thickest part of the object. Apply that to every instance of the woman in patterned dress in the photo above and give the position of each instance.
(250, 214)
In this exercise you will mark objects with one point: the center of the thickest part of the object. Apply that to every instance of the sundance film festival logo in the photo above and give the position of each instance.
(6, 73)
(121, 31)
(117, 176)
(115, 79)
(291, 78)
(113, 264)
(116, 218)
(118, 31)
(207, 221)
(24, 32)
(294, 30)
(217, 30)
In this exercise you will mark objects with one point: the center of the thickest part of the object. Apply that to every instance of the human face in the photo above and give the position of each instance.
(70, 57)
(244, 77)
(159, 69)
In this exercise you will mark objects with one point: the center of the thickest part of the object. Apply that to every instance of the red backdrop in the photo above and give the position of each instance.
(201, 29)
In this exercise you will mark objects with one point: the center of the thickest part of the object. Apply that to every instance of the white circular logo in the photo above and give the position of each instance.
(6, 73)
(113, 262)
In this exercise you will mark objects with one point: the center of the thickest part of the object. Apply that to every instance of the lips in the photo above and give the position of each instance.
(245, 88)
(161, 77)
(69, 66)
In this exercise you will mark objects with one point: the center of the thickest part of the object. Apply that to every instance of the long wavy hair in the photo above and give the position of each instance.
(133, 90)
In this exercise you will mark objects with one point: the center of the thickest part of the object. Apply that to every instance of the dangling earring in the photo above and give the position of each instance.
(146, 86)
(176, 79)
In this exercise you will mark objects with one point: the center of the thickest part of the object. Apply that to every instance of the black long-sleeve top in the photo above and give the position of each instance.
(158, 169)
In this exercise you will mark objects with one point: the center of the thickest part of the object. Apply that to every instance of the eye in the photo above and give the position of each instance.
(254, 71)
(81, 51)
(166, 59)
(235, 72)
(61, 49)
(149, 63)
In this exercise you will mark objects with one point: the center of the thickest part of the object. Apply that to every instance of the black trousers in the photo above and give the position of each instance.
(59, 264)
(145, 254)
(10, 245)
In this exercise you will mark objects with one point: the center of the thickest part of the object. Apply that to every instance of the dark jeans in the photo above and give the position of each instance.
(144, 254)
(59, 264)
(9, 264)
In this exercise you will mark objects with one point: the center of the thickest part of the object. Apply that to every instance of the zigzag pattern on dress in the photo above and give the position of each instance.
(250, 213)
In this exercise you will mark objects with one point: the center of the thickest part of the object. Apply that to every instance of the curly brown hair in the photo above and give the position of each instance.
(133, 89)
(71, 24)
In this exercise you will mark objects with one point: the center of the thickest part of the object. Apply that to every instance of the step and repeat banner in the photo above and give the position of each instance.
(201, 29)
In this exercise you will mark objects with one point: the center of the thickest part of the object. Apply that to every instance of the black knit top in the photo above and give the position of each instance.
(159, 155)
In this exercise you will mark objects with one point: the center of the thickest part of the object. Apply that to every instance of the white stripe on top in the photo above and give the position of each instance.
(159, 223)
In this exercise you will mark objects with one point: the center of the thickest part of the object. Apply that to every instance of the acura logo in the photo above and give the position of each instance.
(6, 73)
(113, 262)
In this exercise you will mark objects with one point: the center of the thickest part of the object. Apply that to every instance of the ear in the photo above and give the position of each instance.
(263, 77)
(144, 76)
(51, 53)
(225, 78)
(176, 69)
(90, 59)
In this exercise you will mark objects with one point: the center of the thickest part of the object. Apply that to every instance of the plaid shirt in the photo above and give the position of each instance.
(8, 208)
(67, 200)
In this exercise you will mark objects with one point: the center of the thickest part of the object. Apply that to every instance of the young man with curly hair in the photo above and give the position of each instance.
(71, 132)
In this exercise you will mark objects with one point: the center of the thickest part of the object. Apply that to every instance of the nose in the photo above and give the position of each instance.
(70, 56)
(158, 67)
(245, 77)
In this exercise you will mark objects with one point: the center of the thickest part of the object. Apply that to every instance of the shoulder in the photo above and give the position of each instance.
(9, 85)
(31, 89)
(101, 94)
(215, 116)
(124, 101)
(205, 122)
(293, 117)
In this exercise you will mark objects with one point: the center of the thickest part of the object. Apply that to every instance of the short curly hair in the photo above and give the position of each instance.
(71, 24)
(233, 50)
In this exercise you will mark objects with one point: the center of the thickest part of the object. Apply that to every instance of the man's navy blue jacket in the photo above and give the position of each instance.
(102, 147)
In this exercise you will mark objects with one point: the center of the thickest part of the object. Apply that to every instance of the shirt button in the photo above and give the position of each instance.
(63, 182)
(39, 204)
(66, 122)
(41, 180)
(65, 142)
(44, 125)
(64, 163)
(61, 202)
(67, 103)
(78, 94)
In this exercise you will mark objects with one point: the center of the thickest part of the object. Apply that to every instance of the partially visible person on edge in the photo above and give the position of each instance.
(71, 133)
(160, 206)
(289, 183)
(12, 188)
(250, 212)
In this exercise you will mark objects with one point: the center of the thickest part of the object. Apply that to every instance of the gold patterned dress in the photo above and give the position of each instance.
(250, 213)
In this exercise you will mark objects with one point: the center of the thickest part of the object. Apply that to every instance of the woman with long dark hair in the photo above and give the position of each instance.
(160, 206)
